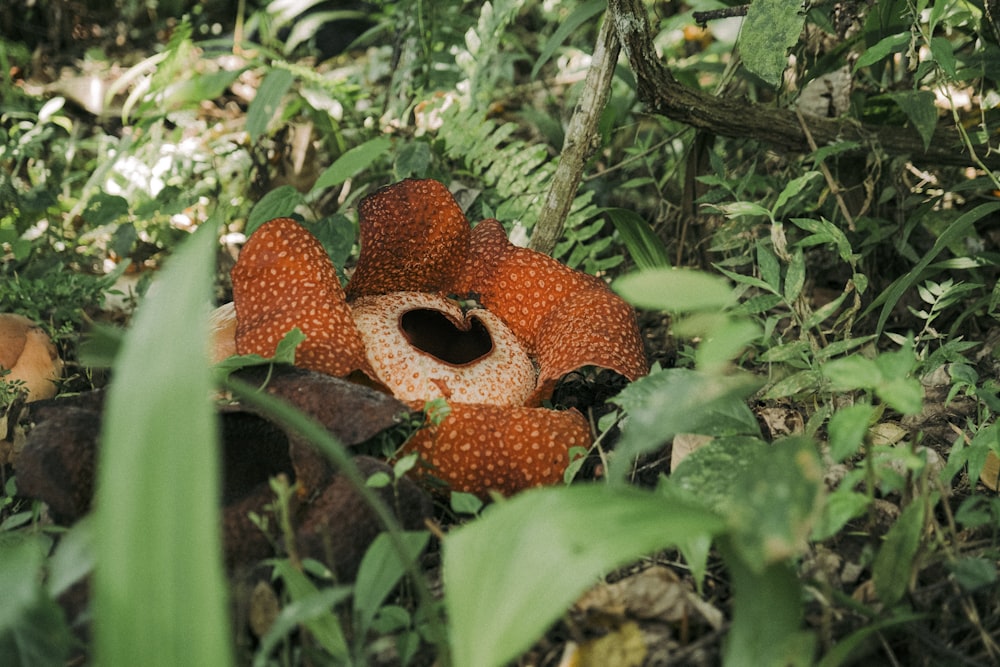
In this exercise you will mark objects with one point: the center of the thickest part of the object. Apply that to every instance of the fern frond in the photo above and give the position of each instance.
(520, 173)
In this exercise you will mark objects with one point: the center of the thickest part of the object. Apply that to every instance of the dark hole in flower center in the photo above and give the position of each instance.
(432, 332)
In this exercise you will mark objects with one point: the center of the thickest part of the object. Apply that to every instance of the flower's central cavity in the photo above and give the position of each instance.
(423, 346)
(434, 333)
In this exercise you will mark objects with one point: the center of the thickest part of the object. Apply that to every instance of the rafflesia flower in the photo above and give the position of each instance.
(400, 323)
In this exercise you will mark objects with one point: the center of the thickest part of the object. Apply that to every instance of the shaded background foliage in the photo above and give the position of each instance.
(861, 264)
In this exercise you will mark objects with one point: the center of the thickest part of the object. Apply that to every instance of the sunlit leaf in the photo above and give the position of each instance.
(159, 591)
(510, 574)
(675, 290)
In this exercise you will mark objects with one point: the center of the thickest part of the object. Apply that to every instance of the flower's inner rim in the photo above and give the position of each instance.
(432, 332)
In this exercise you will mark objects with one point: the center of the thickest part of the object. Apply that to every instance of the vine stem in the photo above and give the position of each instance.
(581, 141)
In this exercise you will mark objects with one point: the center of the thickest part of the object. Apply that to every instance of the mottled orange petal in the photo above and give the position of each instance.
(284, 279)
(483, 448)
(567, 319)
(414, 237)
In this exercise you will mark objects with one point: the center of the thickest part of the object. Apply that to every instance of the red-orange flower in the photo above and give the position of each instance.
(402, 322)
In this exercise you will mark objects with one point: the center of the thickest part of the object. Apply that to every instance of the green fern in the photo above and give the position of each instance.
(520, 173)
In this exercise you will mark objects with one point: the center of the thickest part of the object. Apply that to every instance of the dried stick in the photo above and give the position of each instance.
(581, 141)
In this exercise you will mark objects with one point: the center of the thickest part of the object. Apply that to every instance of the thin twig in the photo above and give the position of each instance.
(830, 181)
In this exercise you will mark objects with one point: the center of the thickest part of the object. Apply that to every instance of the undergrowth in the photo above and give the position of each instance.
(832, 318)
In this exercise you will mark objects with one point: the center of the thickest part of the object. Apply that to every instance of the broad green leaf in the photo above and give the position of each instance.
(580, 15)
(883, 48)
(412, 160)
(769, 30)
(944, 56)
(842, 505)
(894, 560)
(766, 629)
(350, 163)
(513, 572)
(159, 590)
(676, 400)
(724, 343)
(278, 203)
(918, 105)
(708, 474)
(776, 501)
(852, 372)
(380, 571)
(847, 430)
(675, 290)
(645, 247)
(265, 104)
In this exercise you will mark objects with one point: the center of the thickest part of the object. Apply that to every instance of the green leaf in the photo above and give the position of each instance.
(159, 590)
(792, 189)
(412, 160)
(956, 230)
(842, 505)
(894, 561)
(776, 502)
(770, 269)
(309, 610)
(882, 49)
(380, 571)
(265, 104)
(795, 276)
(580, 15)
(769, 30)
(852, 372)
(675, 290)
(974, 573)
(350, 163)
(284, 353)
(32, 628)
(944, 56)
(278, 203)
(918, 105)
(766, 629)
(847, 430)
(103, 209)
(510, 574)
(708, 474)
(645, 247)
(676, 400)
(316, 616)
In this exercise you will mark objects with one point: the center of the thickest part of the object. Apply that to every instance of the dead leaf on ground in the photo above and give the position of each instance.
(656, 593)
(685, 444)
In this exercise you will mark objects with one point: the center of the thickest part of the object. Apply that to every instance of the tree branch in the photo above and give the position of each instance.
(581, 141)
(731, 117)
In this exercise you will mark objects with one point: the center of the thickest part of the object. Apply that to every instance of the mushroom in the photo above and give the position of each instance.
(402, 323)
(30, 356)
